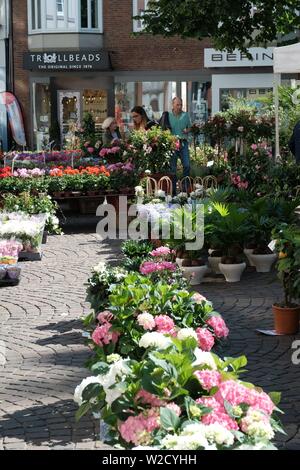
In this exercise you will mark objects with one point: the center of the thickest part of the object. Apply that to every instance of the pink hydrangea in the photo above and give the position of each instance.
(206, 340)
(161, 251)
(165, 324)
(149, 267)
(146, 321)
(105, 317)
(219, 326)
(198, 298)
(136, 429)
(218, 413)
(208, 379)
(102, 335)
(175, 408)
(236, 394)
(148, 399)
(91, 149)
(103, 153)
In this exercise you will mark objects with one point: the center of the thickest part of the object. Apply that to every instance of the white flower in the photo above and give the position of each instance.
(209, 164)
(160, 193)
(80, 388)
(186, 333)
(146, 320)
(113, 358)
(204, 358)
(216, 433)
(185, 442)
(258, 446)
(139, 191)
(148, 172)
(100, 268)
(112, 394)
(155, 340)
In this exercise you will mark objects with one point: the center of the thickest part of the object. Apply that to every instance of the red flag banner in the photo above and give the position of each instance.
(14, 116)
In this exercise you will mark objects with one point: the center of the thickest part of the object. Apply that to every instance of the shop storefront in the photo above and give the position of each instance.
(65, 86)
(236, 75)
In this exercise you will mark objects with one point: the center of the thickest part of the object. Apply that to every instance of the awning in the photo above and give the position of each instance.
(287, 59)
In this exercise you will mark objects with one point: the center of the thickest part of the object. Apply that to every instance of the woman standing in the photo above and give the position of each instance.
(111, 134)
(141, 120)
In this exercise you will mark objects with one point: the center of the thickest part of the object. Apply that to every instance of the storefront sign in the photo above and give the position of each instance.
(66, 61)
(260, 58)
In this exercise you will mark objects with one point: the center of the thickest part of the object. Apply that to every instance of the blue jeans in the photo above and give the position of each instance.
(184, 155)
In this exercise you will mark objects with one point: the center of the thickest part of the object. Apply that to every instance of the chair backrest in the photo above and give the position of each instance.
(165, 184)
(151, 186)
(198, 181)
(210, 182)
(186, 185)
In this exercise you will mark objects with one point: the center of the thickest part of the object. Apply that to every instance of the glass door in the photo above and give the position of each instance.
(69, 108)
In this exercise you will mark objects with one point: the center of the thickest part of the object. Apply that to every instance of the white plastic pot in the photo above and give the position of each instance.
(194, 274)
(179, 261)
(263, 263)
(232, 272)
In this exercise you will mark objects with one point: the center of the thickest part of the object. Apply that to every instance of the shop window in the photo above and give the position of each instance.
(250, 95)
(95, 103)
(60, 7)
(155, 97)
(41, 114)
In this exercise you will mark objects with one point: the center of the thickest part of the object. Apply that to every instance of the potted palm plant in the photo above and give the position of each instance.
(228, 223)
(287, 312)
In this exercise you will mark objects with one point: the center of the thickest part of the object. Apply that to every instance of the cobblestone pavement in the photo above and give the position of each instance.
(40, 327)
(247, 306)
(41, 330)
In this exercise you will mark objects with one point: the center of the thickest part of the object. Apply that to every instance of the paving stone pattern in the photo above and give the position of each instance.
(45, 352)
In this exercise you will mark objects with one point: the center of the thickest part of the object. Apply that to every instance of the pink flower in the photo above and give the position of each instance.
(91, 149)
(165, 324)
(148, 399)
(150, 267)
(136, 429)
(218, 413)
(254, 147)
(102, 335)
(175, 408)
(161, 251)
(219, 326)
(177, 145)
(198, 298)
(105, 317)
(103, 153)
(206, 340)
(87, 144)
(236, 394)
(208, 379)
(146, 321)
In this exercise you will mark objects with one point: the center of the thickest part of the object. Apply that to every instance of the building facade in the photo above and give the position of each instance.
(77, 56)
(4, 44)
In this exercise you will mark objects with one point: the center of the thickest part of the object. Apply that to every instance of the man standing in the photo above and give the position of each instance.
(180, 125)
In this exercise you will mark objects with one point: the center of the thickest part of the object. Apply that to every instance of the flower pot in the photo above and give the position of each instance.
(286, 319)
(248, 253)
(13, 272)
(179, 262)
(214, 264)
(232, 272)
(263, 263)
(194, 274)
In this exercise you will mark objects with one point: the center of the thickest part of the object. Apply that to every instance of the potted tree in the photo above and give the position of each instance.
(287, 312)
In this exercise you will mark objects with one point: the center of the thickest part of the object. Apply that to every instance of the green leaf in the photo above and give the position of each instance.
(169, 420)
(275, 397)
(83, 410)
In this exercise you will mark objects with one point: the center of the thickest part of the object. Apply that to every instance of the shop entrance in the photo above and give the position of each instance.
(73, 105)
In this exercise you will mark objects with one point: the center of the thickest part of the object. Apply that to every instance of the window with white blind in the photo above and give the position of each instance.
(54, 16)
(139, 6)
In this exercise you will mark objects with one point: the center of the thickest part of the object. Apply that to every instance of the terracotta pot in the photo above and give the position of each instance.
(286, 319)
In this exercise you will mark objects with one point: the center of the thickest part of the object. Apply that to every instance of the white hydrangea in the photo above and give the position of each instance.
(256, 424)
(216, 433)
(155, 340)
(185, 442)
(186, 333)
(113, 358)
(139, 191)
(80, 388)
(100, 268)
(146, 320)
(160, 193)
(112, 394)
(204, 358)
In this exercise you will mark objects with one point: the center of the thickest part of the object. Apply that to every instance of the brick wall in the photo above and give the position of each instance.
(146, 52)
(20, 45)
